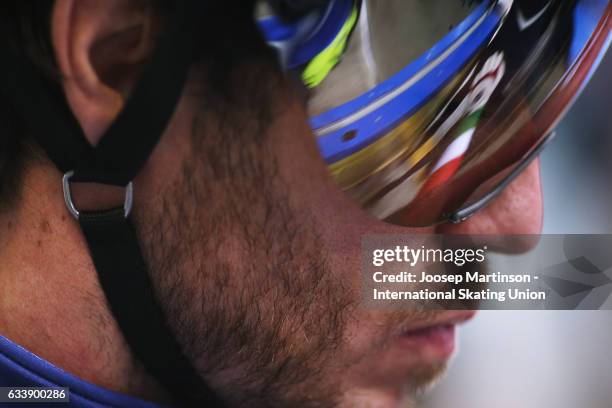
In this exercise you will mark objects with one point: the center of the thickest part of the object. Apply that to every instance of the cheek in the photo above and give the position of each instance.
(517, 211)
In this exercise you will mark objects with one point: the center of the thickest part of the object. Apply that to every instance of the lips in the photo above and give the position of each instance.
(434, 340)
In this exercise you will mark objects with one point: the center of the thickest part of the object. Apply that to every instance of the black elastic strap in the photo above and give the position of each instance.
(128, 143)
(123, 276)
(111, 238)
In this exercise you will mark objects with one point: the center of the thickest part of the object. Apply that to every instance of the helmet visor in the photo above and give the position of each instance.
(423, 109)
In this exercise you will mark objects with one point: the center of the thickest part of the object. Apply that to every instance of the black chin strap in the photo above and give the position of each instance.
(120, 155)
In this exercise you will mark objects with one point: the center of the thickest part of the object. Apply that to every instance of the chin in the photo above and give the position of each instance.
(421, 381)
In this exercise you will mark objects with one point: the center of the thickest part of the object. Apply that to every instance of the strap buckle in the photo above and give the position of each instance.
(127, 204)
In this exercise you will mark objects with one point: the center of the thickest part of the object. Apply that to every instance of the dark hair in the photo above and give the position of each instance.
(25, 28)
(25, 25)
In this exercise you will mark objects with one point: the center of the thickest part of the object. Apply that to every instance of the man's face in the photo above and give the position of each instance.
(256, 253)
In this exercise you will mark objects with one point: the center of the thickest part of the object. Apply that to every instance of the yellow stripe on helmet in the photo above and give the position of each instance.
(321, 65)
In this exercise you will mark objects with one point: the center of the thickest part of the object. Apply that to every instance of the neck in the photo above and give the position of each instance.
(50, 300)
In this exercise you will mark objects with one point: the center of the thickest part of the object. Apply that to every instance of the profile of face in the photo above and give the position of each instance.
(258, 252)
(254, 251)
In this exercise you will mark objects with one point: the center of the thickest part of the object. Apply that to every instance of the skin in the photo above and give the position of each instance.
(305, 284)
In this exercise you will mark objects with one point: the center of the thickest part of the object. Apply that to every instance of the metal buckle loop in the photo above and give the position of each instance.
(127, 204)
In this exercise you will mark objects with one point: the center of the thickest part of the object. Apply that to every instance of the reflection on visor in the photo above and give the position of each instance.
(389, 35)
(431, 105)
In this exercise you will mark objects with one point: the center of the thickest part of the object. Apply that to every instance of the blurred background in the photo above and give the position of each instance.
(537, 359)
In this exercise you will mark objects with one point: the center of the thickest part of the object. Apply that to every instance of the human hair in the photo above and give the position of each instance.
(25, 29)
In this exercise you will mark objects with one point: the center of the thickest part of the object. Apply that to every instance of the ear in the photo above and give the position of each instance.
(100, 48)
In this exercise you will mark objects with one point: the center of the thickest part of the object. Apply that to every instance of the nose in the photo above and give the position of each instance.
(516, 211)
